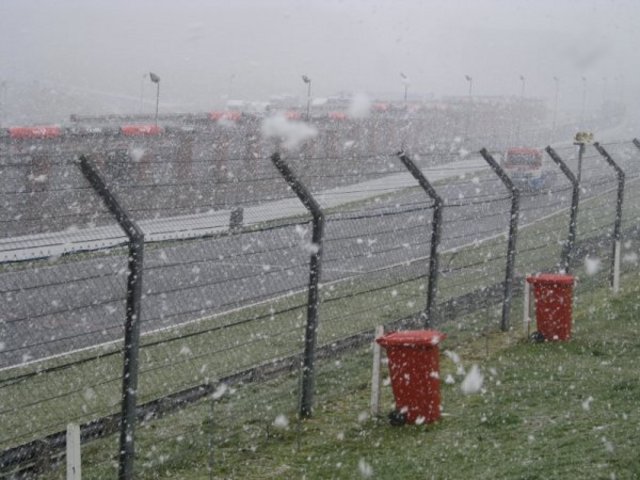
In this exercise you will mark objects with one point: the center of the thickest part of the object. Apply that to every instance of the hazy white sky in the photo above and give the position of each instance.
(206, 50)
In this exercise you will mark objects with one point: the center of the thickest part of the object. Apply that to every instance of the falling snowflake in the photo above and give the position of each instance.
(592, 265)
(365, 469)
(281, 422)
(360, 106)
(136, 154)
(608, 446)
(453, 356)
(220, 391)
(472, 383)
(311, 247)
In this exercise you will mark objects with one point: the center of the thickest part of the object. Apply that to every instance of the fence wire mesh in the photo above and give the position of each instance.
(226, 274)
(62, 288)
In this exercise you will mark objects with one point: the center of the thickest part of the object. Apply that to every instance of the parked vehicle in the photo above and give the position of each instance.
(526, 169)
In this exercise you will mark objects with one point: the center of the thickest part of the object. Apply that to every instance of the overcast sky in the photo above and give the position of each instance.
(208, 50)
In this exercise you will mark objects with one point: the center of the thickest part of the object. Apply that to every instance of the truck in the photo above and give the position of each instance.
(525, 167)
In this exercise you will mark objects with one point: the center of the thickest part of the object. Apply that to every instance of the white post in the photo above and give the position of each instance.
(375, 375)
(526, 301)
(73, 452)
(616, 268)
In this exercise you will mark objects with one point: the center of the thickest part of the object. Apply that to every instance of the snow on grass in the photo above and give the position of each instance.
(586, 404)
(608, 446)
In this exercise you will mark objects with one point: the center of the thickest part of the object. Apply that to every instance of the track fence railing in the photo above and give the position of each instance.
(132, 320)
(313, 302)
(614, 274)
(569, 246)
(512, 237)
(436, 231)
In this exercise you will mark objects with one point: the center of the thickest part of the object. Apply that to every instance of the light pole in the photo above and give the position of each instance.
(405, 81)
(307, 80)
(555, 103)
(142, 79)
(520, 113)
(468, 120)
(3, 100)
(619, 89)
(580, 156)
(584, 100)
(232, 77)
(156, 79)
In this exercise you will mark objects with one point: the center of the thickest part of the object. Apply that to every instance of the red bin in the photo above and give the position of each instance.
(414, 365)
(553, 294)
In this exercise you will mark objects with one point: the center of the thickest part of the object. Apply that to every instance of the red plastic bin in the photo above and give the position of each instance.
(414, 365)
(553, 294)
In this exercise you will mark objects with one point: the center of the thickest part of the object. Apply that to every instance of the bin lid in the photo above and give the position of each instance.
(412, 338)
(551, 278)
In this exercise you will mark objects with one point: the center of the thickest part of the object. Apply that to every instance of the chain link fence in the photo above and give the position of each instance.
(224, 303)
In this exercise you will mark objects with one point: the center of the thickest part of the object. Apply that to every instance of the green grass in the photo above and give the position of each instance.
(552, 410)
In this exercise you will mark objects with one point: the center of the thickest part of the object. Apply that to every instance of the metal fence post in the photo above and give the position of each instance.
(236, 219)
(132, 321)
(308, 373)
(614, 275)
(581, 149)
(436, 229)
(567, 251)
(513, 236)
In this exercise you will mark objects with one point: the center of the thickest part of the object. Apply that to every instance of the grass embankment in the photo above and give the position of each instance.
(553, 410)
